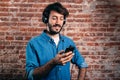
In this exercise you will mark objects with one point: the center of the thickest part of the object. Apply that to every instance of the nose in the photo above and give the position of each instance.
(58, 21)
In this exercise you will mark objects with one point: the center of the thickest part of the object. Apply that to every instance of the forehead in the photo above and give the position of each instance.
(56, 14)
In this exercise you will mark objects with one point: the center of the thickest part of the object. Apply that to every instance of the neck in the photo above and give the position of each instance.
(52, 35)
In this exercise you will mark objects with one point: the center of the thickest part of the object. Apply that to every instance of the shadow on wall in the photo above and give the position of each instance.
(110, 61)
(13, 76)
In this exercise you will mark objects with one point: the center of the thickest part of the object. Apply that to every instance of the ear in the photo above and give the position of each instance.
(44, 19)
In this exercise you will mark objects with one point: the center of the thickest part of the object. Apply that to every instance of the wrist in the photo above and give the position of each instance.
(54, 62)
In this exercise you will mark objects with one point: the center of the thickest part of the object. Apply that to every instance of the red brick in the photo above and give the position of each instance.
(19, 38)
(9, 38)
(2, 47)
(3, 9)
(27, 38)
(21, 56)
(78, 1)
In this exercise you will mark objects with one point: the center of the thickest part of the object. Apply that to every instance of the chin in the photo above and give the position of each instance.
(56, 31)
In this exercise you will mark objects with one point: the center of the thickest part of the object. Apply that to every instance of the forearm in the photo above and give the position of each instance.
(82, 73)
(44, 70)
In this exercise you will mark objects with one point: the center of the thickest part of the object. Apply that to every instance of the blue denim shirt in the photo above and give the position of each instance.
(41, 49)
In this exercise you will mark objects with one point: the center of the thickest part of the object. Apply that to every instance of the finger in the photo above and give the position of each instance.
(61, 52)
(66, 59)
(67, 54)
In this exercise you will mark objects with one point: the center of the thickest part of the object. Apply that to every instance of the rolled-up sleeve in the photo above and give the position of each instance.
(78, 59)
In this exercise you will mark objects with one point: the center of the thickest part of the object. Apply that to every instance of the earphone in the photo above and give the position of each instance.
(45, 19)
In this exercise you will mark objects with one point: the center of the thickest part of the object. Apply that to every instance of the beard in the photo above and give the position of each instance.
(51, 31)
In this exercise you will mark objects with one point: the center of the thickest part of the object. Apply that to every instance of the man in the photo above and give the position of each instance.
(46, 58)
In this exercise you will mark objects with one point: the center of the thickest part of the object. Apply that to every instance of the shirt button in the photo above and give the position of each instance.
(59, 69)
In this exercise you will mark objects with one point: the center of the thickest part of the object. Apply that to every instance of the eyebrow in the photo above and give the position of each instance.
(57, 16)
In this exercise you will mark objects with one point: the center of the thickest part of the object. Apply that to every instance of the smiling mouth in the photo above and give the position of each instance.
(56, 25)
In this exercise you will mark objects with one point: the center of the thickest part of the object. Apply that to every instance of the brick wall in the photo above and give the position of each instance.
(94, 25)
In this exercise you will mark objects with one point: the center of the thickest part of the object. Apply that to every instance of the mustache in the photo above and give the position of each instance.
(57, 25)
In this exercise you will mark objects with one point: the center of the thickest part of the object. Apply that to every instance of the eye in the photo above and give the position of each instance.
(54, 18)
(62, 19)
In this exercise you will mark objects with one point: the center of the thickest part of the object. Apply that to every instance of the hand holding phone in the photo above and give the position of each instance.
(70, 48)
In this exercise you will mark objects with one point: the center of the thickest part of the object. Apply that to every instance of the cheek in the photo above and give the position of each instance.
(51, 22)
(62, 22)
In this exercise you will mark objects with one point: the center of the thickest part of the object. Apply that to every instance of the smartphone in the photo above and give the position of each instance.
(70, 48)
